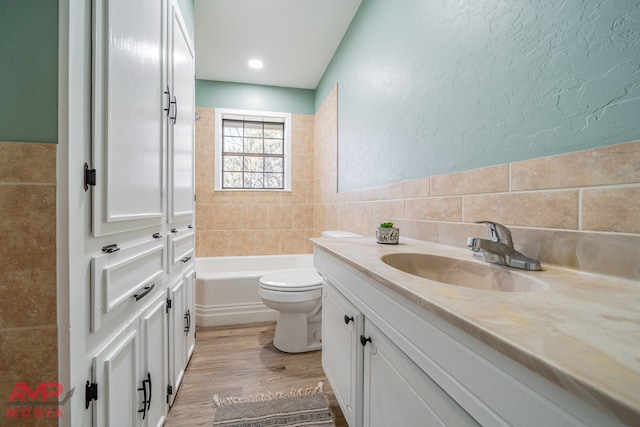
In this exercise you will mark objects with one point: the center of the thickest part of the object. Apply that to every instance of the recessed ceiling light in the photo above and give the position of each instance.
(255, 63)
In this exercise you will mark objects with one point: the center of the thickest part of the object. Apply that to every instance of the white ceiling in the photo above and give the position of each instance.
(294, 38)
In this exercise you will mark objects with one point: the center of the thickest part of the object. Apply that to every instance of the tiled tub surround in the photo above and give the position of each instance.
(28, 329)
(580, 333)
(239, 223)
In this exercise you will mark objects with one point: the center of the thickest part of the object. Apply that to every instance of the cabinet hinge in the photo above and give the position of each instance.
(90, 393)
(168, 306)
(89, 177)
(169, 392)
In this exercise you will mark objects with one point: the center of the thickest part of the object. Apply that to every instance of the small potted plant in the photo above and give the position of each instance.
(387, 234)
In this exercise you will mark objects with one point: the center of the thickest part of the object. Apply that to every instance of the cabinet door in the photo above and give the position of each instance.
(116, 371)
(341, 352)
(190, 313)
(177, 338)
(128, 116)
(155, 361)
(398, 393)
(181, 118)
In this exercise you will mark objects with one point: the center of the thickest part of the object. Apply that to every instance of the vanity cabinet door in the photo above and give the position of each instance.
(341, 352)
(398, 393)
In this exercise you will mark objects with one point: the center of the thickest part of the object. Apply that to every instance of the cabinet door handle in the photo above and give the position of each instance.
(150, 389)
(185, 259)
(146, 290)
(145, 401)
(168, 93)
(187, 318)
(347, 319)
(175, 109)
(364, 340)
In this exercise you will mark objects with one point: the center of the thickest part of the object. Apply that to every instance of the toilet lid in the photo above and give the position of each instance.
(293, 280)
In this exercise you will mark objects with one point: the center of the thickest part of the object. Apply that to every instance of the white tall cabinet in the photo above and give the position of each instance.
(134, 208)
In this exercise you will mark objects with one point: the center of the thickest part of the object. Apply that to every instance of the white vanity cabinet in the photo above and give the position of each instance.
(398, 393)
(418, 369)
(375, 383)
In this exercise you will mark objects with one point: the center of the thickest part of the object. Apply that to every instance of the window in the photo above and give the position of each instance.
(252, 150)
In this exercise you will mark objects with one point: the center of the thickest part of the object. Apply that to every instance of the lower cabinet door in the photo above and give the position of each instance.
(116, 372)
(341, 351)
(398, 393)
(190, 312)
(177, 337)
(155, 363)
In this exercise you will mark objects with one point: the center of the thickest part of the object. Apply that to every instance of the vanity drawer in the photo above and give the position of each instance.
(123, 279)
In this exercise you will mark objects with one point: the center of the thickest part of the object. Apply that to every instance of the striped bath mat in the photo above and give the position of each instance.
(301, 407)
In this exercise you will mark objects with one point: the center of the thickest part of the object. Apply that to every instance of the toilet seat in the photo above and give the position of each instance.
(292, 281)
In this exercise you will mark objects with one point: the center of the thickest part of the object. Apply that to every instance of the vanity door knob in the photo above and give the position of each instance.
(347, 319)
(364, 340)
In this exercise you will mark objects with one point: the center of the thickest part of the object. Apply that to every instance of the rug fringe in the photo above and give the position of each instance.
(261, 397)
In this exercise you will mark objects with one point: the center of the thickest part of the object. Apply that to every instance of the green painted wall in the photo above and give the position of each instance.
(254, 97)
(29, 70)
(431, 87)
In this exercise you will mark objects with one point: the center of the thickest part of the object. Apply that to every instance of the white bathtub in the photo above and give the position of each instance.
(227, 287)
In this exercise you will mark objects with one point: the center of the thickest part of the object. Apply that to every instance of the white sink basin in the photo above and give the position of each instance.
(468, 274)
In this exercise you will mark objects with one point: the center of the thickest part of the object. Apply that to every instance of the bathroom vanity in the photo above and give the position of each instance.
(403, 350)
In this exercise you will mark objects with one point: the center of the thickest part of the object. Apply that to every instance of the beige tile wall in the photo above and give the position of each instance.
(28, 330)
(239, 223)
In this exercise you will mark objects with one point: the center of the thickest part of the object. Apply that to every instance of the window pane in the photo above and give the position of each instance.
(253, 130)
(273, 146)
(254, 164)
(273, 164)
(274, 130)
(232, 145)
(232, 128)
(232, 163)
(273, 180)
(232, 179)
(253, 145)
(253, 180)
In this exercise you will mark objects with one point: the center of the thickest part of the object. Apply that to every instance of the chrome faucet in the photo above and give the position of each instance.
(500, 250)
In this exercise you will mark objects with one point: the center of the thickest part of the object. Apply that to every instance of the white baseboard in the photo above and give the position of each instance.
(233, 314)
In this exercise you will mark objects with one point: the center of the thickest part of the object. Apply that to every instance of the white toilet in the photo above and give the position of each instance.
(297, 296)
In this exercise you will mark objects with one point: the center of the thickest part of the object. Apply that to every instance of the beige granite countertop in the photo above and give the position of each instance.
(582, 332)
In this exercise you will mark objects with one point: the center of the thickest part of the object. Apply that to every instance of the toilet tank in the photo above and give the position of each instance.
(334, 234)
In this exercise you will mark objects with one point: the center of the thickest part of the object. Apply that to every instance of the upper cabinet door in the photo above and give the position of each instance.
(128, 114)
(181, 118)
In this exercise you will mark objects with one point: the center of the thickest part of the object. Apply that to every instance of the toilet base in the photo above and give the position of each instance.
(292, 336)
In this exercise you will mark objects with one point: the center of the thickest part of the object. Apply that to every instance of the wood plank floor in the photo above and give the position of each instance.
(241, 360)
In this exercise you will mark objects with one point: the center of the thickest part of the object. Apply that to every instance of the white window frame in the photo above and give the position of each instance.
(229, 113)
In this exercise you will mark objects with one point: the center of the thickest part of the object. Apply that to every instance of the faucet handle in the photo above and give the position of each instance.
(499, 233)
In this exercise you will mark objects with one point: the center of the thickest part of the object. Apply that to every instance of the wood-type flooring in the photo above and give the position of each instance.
(241, 360)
